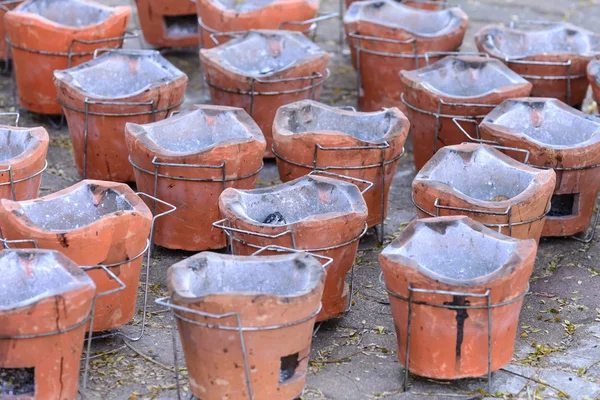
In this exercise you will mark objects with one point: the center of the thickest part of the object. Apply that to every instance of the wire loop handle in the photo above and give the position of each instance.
(344, 177)
(272, 247)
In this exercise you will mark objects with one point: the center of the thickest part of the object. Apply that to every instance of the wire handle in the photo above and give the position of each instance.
(273, 247)
(15, 114)
(345, 177)
(311, 21)
(7, 242)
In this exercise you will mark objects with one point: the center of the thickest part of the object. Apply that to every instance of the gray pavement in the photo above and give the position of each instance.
(355, 357)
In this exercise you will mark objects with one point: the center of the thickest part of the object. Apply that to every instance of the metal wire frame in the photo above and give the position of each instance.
(341, 6)
(415, 55)
(224, 179)
(311, 30)
(88, 319)
(438, 114)
(225, 225)
(316, 79)
(488, 306)
(12, 3)
(478, 139)
(15, 114)
(69, 54)
(11, 180)
(87, 102)
(508, 213)
(315, 167)
(148, 251)
(568, 77)
(239, 327)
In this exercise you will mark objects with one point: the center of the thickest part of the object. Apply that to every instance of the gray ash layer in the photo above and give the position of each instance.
(366, 127)
(460, 252)
(77, 209)
(307, 198)
(480, 175)
(13, 143)
(196, 130)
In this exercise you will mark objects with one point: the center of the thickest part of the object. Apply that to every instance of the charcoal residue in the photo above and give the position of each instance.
(275, 219)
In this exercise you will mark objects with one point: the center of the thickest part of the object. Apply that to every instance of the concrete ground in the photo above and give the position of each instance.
(557, 351)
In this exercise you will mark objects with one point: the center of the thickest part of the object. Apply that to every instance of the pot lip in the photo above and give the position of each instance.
(139, 208)
(230, 204)
(501, 28)
(314, 52)
(79, 279)
(67, 77)
(113, 11)
(415, 79)
(522, 249)
(140, 133)
(489, 119)
(41, 140)
(398, 123)
(354, 14)
(540, 177)
(182, 294)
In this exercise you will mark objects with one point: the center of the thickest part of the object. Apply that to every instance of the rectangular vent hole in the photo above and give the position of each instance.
(181, 25)
(289, 364)
(17, 381)
(562, 205)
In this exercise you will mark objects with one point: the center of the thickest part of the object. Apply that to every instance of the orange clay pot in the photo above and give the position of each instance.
(138, 86)
(380, 60)
(455, 87)
(422, 4)
(554, 43)
(593, 74)
(91, 222)
(207, 136)
(168, 24)
(5, 6)
(266, 293)
(301, 128)
(456, 254)
(42, 292)
(218, 16)
(44, 26)
(270, 62)
(23, 151)
(560, 138)
(503, 193)
(315, 213)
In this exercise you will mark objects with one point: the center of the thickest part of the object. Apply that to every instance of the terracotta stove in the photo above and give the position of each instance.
(551, 55)
(49, 35)
(486, 185)
(246, 322)
(456, 289)
(386, 36)
(458, 86)
(102, 95)
(188, 160)
(319, 214)
(556, 137)
(260, 71)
